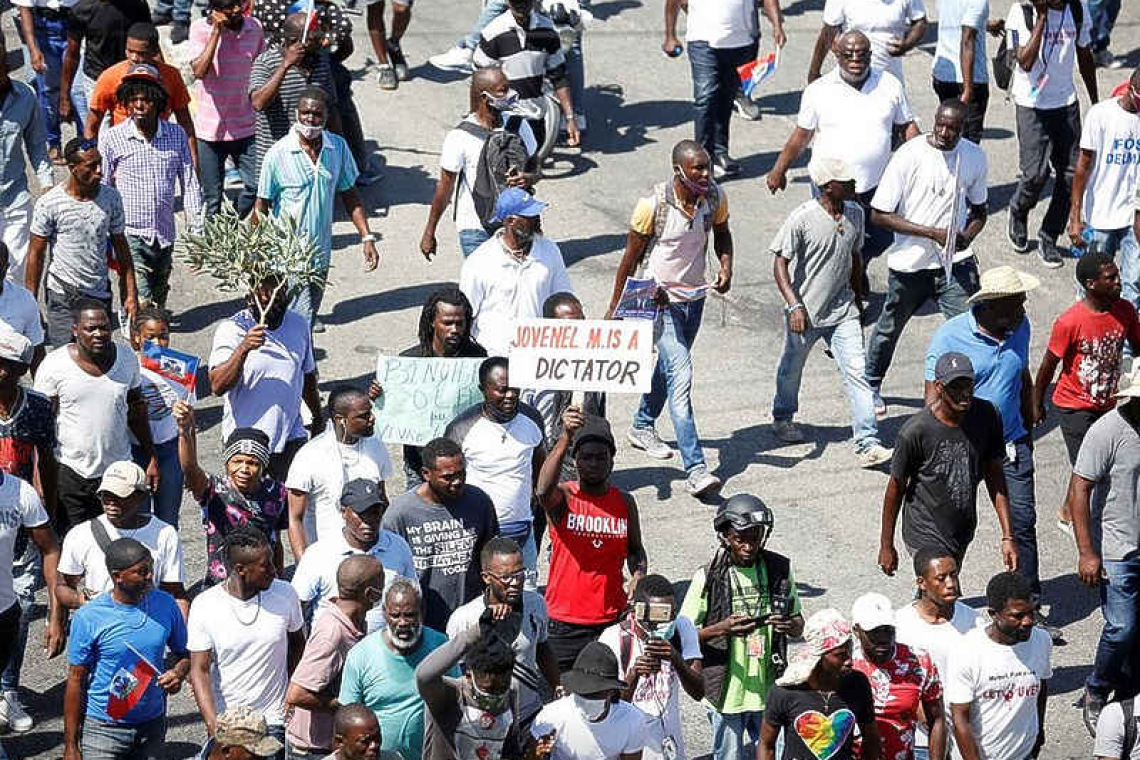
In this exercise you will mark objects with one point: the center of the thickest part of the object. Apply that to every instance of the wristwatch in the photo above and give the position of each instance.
(792, 307)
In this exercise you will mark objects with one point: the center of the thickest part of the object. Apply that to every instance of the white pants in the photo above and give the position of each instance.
(14, 223)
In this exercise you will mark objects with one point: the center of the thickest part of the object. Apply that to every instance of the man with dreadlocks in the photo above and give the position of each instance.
(745, 607)
(143, 157)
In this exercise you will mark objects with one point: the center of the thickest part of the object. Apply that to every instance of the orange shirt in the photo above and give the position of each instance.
(103, 96)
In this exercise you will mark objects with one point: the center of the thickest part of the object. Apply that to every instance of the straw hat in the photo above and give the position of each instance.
(1004, 281)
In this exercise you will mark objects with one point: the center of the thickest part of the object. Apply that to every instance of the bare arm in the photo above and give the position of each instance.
(547, 663)
(93, 122)
(913, 38)
(47, 469)
(823, 43)
(264, 95)
(936, 726)
(67, 591)
(671, 41)
(766, 747)
(1085, 160)
(636, 559)
(1089, 562)
(1087, 66)
(201, 65)
(722, 244)
(74, 696)
(296, 645)
(872, 744)
(34, 266)
(635, 244)
(186, 121)
(776, 19)
(1028, 53)
(1042, 700)
(1045, 372)
(995, 484)
(444, 187)
(44, 539)
(892, 503)
(359, 216)
(1026, 399)
(966, 56)
(128, 290)
(900, 225)
(550, 496)
(797, 141)
(67, 76)
(194, 477)
(298, 502)
(203, 689)
(28, 27)
(311, 394)
(963, 733)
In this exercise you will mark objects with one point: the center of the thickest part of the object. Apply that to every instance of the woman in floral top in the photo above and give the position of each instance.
(245, 495)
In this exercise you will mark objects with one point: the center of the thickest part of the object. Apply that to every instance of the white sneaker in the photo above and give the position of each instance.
(787, 431)
(873, 456)
(701, 481)
(456, 59)
(14, 714)
(648, 441)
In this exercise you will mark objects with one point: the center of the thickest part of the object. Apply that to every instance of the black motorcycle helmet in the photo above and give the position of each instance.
(744, 512)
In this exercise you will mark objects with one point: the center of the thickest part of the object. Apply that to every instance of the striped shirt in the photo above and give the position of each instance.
(224, 111)
(145, 171)
(77, 231)
(305, 191)
(527, 56)
(274, 121)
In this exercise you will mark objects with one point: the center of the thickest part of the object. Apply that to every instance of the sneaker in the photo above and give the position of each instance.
(875, 455)
(396, 56)
(724, 166)
(1018, 233)
(1091, 710)
(456, 59)
(746, 108)
(318, 325)
(787, 431)
(701, 482)
(880, 405)
(387, 77)
(648, 441)
(14, 713)
(179, 33)
(1049, 252)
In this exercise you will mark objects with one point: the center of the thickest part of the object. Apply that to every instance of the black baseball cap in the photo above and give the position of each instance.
(362, 494)
(951, 366)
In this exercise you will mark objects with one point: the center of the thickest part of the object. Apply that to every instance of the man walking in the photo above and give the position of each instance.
(959, 68)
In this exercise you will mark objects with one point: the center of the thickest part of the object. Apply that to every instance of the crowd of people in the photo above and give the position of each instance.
(414, 624)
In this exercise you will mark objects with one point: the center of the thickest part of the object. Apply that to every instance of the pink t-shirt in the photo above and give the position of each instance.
(224, 111)
(319, 671)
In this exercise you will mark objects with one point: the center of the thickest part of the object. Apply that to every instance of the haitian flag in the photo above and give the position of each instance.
(173, 365)
(130, 682)
(753, 73)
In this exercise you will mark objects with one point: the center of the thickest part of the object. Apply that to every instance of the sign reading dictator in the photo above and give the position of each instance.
(422, 395)
(612, 356)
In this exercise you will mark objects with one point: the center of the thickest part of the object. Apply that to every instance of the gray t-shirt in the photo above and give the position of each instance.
(77, 232)
(1110, 453)
(819, 249)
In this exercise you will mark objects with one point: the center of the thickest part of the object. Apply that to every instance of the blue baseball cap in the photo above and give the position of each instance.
(514, 201)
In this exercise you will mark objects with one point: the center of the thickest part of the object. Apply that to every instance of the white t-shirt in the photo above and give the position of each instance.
(250, 643)
(1114, 135)
(657, 696)
(952, 16)
(1002, 683)
(621, 731)
(918, 184)
(81, 554)
(881, 20)
(19, 310)
(722, 23)
(323, 466)
(92, 421)
(1049, 84)
(855, 124)
(20, 505)
(460, 155)
(160, 394)
(1110, 731)
(499, 462)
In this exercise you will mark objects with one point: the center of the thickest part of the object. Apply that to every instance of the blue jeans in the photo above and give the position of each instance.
(166, 504)
(1104, 13)
(1121, 243)
(492, 9)
(179, 10)
(1120, 604)
(673, 378)
(469, 240)
(906, 293)
(522, 533)
(114, 741)
(846, 343)
(27, 578)
(212, 170)
(307, 299)
(51, 39)
(1023, 509)
(731, 734)
(921, 753)
(715, 84)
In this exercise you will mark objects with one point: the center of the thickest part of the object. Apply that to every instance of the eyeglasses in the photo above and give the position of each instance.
(861, 55)
(509, 578)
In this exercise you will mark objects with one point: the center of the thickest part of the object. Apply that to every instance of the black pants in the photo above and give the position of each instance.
(975, 109)
(1074, 424)
(58, 315)
(567, 640)
(1046, 138)
(9, 628)
(351, 130)
(77, 499)
(280, 462)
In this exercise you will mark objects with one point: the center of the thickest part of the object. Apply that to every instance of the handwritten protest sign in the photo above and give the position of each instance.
(422, 395)
(613, 356)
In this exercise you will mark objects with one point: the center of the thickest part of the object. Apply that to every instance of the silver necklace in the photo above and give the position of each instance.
(235, 607)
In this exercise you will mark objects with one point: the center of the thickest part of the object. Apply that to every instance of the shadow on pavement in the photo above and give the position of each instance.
(202, 317)
(604, 11)
(353, 309)
(577, 249)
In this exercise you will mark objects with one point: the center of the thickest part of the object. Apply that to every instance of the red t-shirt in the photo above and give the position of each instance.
(899, 687)
(589, 545)
(1089, 346)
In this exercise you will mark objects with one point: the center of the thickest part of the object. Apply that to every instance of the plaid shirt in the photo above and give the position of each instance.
(145, 172)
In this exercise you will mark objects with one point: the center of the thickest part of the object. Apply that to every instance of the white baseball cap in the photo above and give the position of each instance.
(871, 611)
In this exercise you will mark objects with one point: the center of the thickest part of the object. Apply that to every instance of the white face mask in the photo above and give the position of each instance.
(307, 131)
(591, 709)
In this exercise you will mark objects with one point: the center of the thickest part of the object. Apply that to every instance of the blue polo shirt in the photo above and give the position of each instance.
(997, 365)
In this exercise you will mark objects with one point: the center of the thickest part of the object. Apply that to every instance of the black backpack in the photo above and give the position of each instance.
(1004, 61)
(503, 150)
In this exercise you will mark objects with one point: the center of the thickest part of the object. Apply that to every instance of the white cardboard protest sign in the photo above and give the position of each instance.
(612, 356)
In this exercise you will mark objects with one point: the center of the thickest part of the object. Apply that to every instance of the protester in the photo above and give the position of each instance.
(20, 313)
(95, 387)
(919, 214)
(459, 160)
(247, 495)
(357, 735)
(43, 28)
(263, 367)
(392, 65)
(721, 37)
(448, 523)
(79, 218)
(223, 47)
(134, 623)
(24, 141)
(315, 683)
(658, 658)
(997, 680)
(503, 449)
(380, 671)
(315, 488)
(595, 530)
(143, 158)
(290, 187)
(241, 733)
(941, 455)
(818, 270)
(511, 275)
(101, 30)
(904, 682)
(676, 261)
(820, 691)
(245, 636)
(959, 69)
(893, 31)
(519, 620)
(745, 606)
